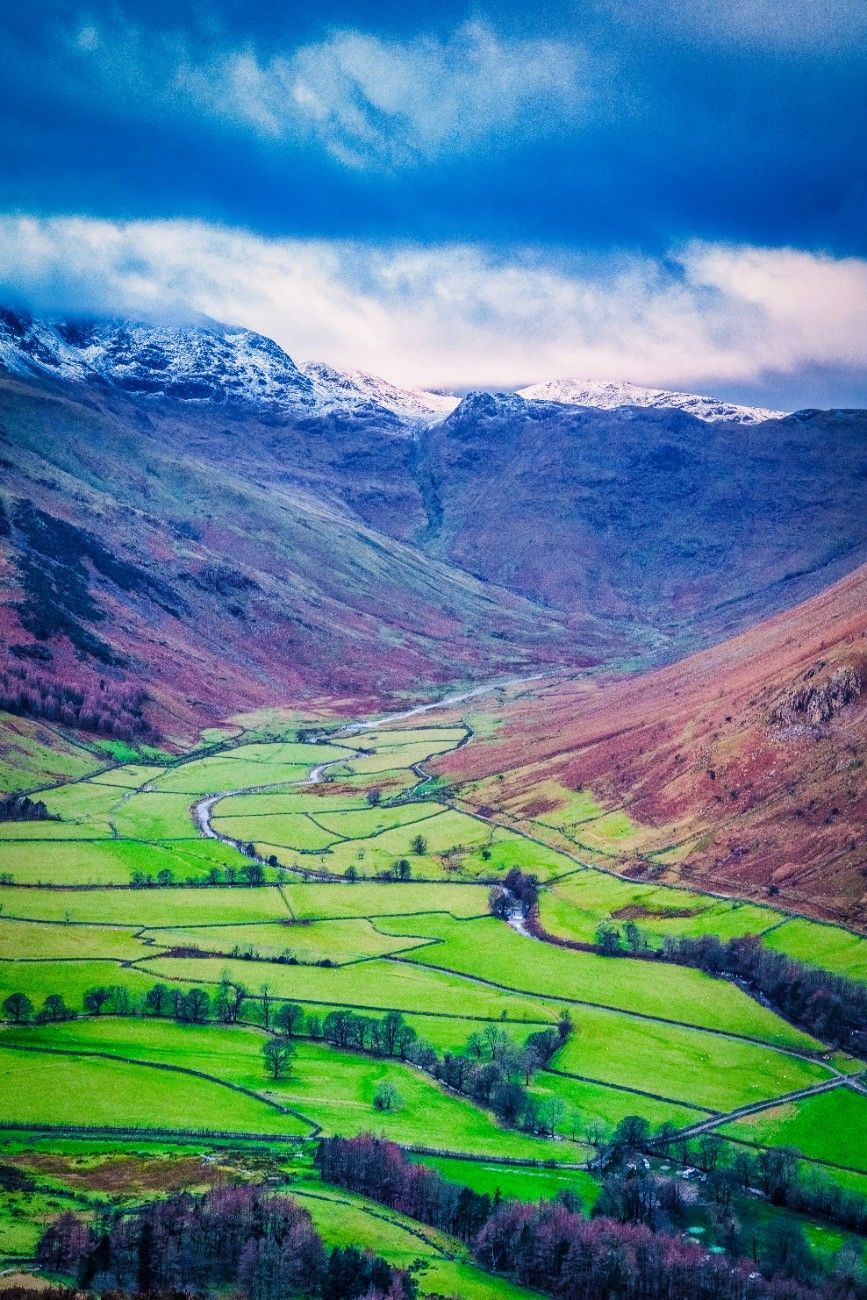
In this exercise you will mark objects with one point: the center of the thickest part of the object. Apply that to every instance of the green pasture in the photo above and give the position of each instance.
(394, 738)
(822, 945)
(387, 757)
(200, 905)
(283, 753)
(574, 906)
(209, 775)
(312, 799)
(831, 1126)
(46, 941)
(489, 949)
(156, 816)
(113, 862)
(50, 833)
(294, 831)
(34, 755)
(586, 1104)
(340, 941)
(44, 1088)
(386, 898)
(378, 985)
(686, 1065)
(374, 821)
(332, 1088)
(71, 979)
(519, 1183)
(131, 776)
(345, 1220)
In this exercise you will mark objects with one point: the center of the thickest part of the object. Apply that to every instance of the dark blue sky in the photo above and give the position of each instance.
(584, 147)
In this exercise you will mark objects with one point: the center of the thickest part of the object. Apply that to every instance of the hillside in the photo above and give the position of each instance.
(740, 769)
(194, 524)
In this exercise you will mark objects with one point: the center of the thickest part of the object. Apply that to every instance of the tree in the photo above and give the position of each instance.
(419, 845)
(95, 999)
(373, 797)
(608, 939)
(156, 1000)
(277, 1054)
(289, 1018)
(254, 874)
(54, 1010)
(386, 1096)
(195, 1006)
(403, 869)
(18, 1008)
(351, 874)
(265, 991)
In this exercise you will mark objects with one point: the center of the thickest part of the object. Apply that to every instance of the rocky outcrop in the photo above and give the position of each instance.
(819, 698)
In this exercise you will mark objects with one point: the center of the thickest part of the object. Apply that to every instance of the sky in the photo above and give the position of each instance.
(456, 195)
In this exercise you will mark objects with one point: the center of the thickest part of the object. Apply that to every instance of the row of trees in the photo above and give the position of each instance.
(265, 1247)
(552, 1247)
(251, 873)
(492, 1069)
(18, 808)
(830, 1006)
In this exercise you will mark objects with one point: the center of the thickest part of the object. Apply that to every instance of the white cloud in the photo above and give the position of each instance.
(461, 315)
(367, 99)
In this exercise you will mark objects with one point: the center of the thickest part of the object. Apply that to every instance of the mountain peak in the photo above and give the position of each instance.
(608, 395)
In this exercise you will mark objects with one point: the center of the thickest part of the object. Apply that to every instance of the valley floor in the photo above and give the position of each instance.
(191, 910)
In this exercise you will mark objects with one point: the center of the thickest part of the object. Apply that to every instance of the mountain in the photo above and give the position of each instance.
(203, 362)
(606, 396)
(740, 769)
(335, 389)
(188, 510)
(179, 515)
(686, 529)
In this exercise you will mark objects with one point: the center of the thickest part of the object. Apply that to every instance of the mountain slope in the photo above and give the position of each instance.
(690, 529)
(607, 396)
(215, 559)
(740, 769)
(187, 508)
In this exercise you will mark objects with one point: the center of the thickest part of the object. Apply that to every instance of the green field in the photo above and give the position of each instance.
(527, 1183)
(822, 945)
(831, 1126)
(307, 941)
(26, 941)
(146, 907)
(41, 1088)
(345, 1220)
(386, 899)
(575, 905)
(488, 950)
(113, 862)
(664, 1042)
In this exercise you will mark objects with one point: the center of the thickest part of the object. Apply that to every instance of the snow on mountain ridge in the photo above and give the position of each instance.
(607, 396)
(206, 361)
(335, 388)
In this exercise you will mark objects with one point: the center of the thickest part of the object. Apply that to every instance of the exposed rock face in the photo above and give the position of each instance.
(819, 699)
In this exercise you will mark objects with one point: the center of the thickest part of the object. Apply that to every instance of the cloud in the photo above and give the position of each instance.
(462, 315)
(366, 99)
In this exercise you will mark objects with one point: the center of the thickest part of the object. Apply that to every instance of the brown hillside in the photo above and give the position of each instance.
(750, 756)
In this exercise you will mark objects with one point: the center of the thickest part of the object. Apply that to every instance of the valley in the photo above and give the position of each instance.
(427, 815)
(345, 911)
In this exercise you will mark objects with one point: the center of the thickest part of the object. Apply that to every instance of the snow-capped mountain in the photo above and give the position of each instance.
(202, 362)
(337, 388)
(608, 396)
(205, 362)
